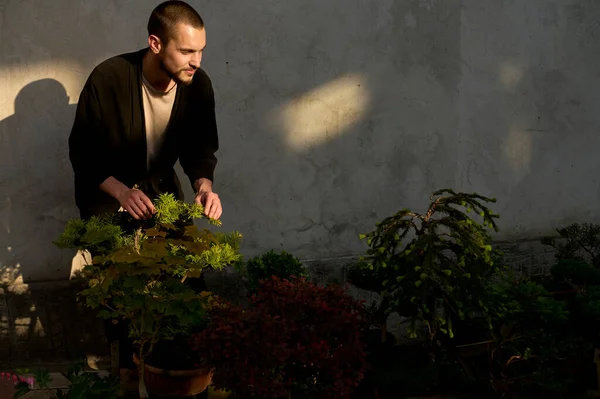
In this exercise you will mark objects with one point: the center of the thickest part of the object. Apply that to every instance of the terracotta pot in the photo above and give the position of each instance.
(175, 382)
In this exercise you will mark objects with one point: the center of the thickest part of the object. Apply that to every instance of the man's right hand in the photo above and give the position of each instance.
(137, 204)
(134, 201)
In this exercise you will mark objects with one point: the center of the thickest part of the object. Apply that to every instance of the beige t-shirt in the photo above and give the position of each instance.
(157, 111)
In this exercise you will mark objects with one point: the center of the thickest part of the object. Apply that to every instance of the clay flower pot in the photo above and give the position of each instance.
(175, 382)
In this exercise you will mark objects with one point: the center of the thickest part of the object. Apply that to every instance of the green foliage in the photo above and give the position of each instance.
(576, 271)
(547, 326)
(84, 385)
(98, 234)
(526, 304)
(139, 271)
(365, 275)
(535, 332)
(432, 267)
(577, 242)
(169, 210)
(283, 265)
(589, 303)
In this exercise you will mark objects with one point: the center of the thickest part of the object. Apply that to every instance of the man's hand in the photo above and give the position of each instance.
(137, 204)
(208, 199)
(211, 203)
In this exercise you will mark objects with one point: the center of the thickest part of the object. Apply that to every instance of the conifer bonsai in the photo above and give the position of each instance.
(431, 268)
(140, 268)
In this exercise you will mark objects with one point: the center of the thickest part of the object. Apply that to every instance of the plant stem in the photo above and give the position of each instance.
(85, 258)
(141, 373)
(153, 340)
(142, 369)
(137, 237)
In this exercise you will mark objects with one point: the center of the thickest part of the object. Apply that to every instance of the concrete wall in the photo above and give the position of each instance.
(332, 114)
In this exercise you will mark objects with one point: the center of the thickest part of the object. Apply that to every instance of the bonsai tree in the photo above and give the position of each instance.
(544, 327)
(294, 338)
(139, 271)
(577, 242)
(575, 277)
(531, 332)
(433, 267)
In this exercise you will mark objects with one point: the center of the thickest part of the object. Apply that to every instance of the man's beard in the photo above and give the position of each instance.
(175, 77)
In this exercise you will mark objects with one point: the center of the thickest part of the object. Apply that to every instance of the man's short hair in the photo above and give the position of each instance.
(168, 14)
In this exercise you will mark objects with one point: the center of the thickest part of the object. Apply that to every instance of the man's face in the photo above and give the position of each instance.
(182, 55)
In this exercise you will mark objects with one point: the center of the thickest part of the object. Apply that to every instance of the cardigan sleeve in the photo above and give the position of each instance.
(88, 146)
(200, 142)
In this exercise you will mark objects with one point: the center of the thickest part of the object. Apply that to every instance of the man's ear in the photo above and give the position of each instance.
(154, 43)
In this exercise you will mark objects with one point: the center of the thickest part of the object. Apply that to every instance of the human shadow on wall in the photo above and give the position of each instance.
(36, 181)
(408, 54)
(37, 198)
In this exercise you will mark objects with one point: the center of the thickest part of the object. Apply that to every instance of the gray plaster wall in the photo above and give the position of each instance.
(332, 114)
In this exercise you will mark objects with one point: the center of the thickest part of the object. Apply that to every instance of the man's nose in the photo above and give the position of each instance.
(195, 61)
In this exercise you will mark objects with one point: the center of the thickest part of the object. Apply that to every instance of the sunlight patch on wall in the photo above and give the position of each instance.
(13, 78)
(518, 149)
(79, 261)
(325, 113)
(12, 279)
(8, 274)
(510, 74)
(26, 327)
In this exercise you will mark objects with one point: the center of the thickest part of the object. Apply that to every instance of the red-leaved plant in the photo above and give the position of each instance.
(294, 337)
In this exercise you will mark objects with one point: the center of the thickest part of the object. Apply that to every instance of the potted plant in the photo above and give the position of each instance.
(139, 275)
(576, 242)
(545, 327)
(433, 267)
(575, 280)
(535, 342)
(295, 339)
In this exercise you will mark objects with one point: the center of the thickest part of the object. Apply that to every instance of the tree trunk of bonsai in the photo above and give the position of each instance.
(142, 383)
(114, 358)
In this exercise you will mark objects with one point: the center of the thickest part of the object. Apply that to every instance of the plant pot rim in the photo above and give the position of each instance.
(481, 343)
(175, 373)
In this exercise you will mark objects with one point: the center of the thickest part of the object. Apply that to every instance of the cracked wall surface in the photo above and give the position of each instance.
(332, 115)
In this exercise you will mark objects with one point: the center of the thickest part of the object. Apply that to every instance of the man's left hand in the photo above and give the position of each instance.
(211, 203)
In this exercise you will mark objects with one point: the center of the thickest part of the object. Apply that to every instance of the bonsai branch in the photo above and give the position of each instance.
(154, 337)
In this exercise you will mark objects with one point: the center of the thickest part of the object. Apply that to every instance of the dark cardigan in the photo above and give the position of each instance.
(109, 135)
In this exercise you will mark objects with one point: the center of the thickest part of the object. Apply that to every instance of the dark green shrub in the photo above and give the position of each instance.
(433, 267)
(282, 265)
(577, 242)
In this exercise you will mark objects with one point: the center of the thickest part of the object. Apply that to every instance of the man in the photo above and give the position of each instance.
(140, 112)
